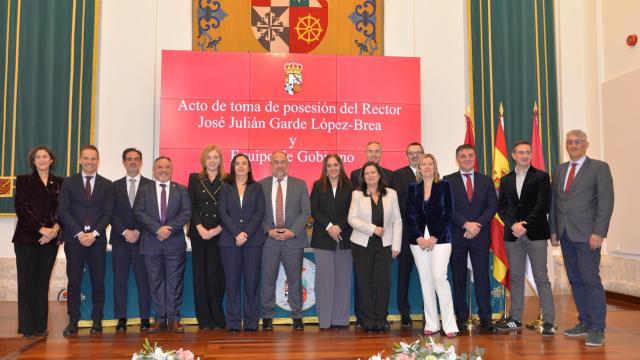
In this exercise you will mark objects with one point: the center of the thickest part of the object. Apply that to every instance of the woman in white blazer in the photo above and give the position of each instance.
(374, 215)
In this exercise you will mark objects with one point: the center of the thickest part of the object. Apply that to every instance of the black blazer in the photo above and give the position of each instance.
(532, 206)
(436, 215)
(356, 179)
(236, 219)
(204, 203)
(326, 208)
(480, 209)
(123, 217)
(75, 211)
(35, 205)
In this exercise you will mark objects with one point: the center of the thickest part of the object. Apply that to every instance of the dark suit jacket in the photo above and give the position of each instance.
(588, 206)
(123, 217)
(400, 182)
(325, 209)
(532, 206)
(147, 213)
(35, 205)
(236, 219)
(204, 203)
(74, 211)
(297, 210)
(480, 209)
(436, 215)
(356, 178)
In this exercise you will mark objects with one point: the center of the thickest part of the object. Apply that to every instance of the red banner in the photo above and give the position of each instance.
(305, 105)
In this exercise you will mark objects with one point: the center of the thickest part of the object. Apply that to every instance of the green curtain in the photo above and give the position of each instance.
(47, 85)
(513, 63)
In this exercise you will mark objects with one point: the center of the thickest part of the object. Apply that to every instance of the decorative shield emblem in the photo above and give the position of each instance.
(289, 26)
(292, 78)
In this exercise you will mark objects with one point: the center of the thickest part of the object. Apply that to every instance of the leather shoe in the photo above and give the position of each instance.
(122, 325)
(96, 327)
(267, 324)
(487, 326)
(41, 333)
(176, 327)
(405, 321)
(297, 324)
(71, 329)
(144, 325)
(157, 327)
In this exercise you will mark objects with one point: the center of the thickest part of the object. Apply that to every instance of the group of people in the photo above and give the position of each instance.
(242, 230)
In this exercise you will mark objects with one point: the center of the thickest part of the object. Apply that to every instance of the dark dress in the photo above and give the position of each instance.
(36, 206)
(208, 275)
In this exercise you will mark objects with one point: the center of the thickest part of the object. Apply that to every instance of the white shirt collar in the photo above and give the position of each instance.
(579, 161)
(137, 178)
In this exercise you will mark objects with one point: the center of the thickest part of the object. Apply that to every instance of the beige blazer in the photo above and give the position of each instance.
(360, 219)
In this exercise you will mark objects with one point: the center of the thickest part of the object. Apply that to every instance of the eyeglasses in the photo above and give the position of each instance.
(575, 142)
(415, 153)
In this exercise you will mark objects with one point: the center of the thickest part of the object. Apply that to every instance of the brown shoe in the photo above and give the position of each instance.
(157, 327)
(174, 325)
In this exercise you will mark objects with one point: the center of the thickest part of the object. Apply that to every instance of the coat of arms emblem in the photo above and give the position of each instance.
(289, 26)
(292, 78)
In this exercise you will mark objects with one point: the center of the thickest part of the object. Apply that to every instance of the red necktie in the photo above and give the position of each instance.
(163, 204)
(279, 206)
(87, 188)
(572, 174)
(469, 186)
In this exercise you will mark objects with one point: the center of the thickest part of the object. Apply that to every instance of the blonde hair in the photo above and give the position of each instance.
(436, 174)
(203, 161)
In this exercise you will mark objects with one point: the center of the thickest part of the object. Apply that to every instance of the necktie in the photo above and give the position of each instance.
(87, 187)
(132, 191)
(279, 206)
(572, 174)
(163, 204)
(469, 186)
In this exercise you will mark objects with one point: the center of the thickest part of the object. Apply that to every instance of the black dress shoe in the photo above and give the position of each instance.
(204, 327)
(144, 325)
(28, 335)
(122, 325)
(71, 329)
(297, 324)
(267, 324)
(234, 331)
(41, 333)
(360, 324)
(96, 327)
(487, 326)
(250, 330)
(405, 321)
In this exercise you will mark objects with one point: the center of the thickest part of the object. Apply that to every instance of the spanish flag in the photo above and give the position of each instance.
(500, 168)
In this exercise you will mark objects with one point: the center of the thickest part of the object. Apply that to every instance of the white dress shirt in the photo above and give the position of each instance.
(274, 193)
(159, 193)
(578, 166)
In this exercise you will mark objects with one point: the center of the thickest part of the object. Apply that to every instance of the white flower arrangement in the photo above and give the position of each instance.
(155, 352)
(427, 349)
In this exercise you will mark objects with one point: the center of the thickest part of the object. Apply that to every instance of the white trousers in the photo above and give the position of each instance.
(432, 269)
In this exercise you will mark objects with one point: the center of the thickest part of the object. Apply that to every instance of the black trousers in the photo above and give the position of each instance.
(124, 257)
(373, 275)
(95, 257)
(34, 263)
(208, 281)
(405, 266)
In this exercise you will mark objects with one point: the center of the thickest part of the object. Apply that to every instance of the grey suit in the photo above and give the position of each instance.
(586, 209)
(297, 210)
(165, 260)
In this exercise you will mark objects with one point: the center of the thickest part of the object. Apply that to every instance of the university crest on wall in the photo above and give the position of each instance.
(295, 26)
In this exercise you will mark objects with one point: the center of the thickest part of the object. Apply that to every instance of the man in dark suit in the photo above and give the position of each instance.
(373, 151)
(400, 182)
(162, 208)
(581, 208)
(85, 205)
(125, 244)
(523, 205)
(287, 209)
(475, 203)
